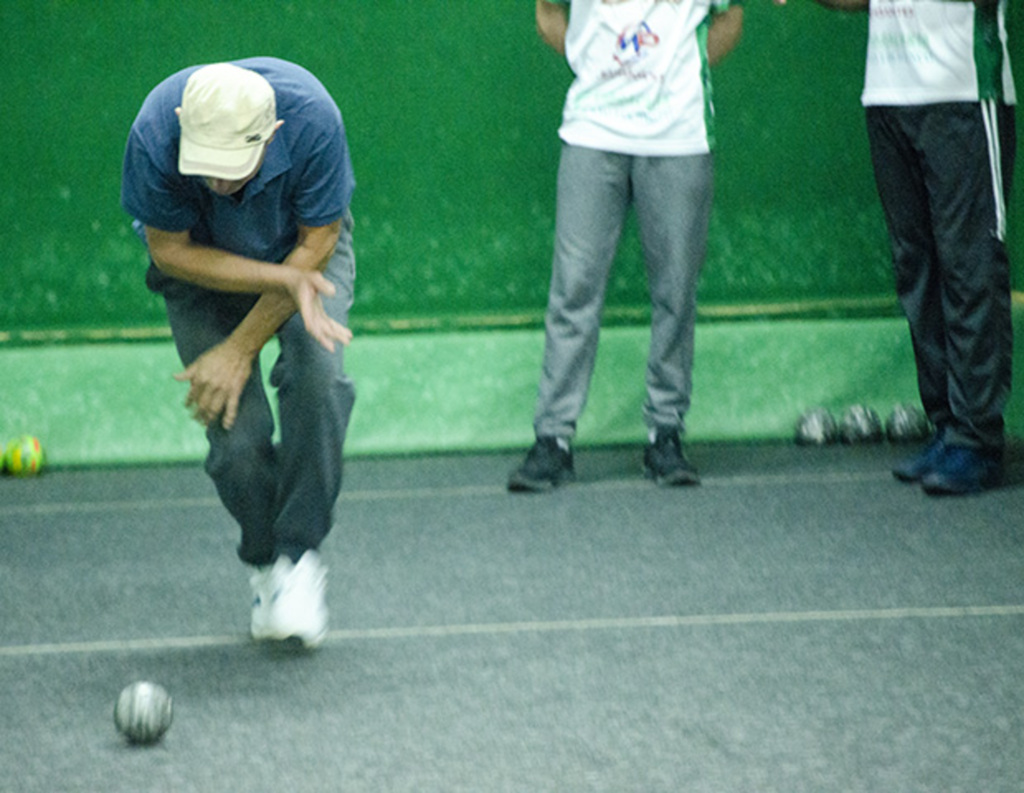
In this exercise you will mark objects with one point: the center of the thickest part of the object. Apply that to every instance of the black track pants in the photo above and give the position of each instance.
(943, 173)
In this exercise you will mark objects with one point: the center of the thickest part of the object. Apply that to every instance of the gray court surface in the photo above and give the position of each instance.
(800, 622)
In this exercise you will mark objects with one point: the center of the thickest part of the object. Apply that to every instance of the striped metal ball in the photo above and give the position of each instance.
(907, 423)
(860, 424)
(143, 712)
(816, 427)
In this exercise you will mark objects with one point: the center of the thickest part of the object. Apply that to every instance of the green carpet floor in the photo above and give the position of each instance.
(117, 403)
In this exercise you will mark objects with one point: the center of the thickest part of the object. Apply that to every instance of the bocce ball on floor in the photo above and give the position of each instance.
(907, 424)
(816, 427)
(143, 713)
(860, 424)
(23, 456)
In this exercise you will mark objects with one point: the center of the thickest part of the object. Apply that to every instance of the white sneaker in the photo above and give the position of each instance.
(260, 583)
(288, 600)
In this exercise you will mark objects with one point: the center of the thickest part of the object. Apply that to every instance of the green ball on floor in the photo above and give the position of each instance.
(24, 456)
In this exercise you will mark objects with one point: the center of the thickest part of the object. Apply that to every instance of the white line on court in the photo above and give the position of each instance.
(750, 480)
(417, 493)
(507, 628)
(127, 505)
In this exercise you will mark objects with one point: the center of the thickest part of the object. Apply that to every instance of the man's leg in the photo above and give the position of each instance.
(968, 182)
(943, 184)
(593, 196)
(902, 187)
(673, 205)
(241, 462)
(969, 193)
(315, 399)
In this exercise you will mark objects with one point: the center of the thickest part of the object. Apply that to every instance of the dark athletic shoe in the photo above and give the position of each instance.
(914, 468)
(962, 470)
(665, 463)
(547, 465)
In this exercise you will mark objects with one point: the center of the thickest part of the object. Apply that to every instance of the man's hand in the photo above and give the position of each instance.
(217, 378)
(306, 289)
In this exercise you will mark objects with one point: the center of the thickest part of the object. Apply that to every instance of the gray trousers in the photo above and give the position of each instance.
(943, 173)
(283, 494)
(672, 200)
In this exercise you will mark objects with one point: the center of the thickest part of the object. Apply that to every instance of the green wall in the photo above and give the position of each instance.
(452, 109)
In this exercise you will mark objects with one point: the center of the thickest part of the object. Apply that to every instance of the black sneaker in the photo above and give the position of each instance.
(665, 463)
(546, 466)
(962, 470)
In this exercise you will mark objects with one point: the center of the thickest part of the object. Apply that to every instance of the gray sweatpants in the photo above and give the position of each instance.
(672, 200)
(282, 495)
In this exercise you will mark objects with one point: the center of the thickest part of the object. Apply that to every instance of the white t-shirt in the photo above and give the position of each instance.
(642, 82)
(927, 51)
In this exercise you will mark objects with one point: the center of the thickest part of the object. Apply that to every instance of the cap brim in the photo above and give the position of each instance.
(231, 164)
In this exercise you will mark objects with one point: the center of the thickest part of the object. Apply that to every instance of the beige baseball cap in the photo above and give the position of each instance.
(227, 115)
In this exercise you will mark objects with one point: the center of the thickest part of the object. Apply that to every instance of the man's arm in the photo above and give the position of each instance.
(308, 259)
(724, 34)
(176, 254)
(552, 23)
(295, 284)
(218, 376)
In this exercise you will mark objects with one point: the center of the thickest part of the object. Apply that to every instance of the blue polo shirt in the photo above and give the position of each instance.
(306, 177)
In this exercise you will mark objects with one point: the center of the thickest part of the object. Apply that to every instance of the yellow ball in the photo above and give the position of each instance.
(24, 456)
